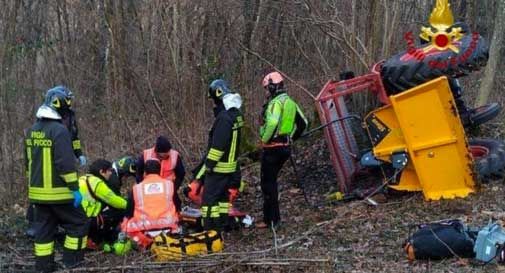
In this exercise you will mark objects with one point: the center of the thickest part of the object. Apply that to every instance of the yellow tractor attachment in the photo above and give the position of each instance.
(423, 123)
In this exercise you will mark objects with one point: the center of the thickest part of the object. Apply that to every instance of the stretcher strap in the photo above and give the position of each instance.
(208, 242)
(183, 244)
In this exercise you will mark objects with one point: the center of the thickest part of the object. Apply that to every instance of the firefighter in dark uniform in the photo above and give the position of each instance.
(69, 120)
(220, 167)
(53, 187)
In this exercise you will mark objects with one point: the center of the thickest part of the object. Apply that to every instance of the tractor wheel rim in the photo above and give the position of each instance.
(478, 151)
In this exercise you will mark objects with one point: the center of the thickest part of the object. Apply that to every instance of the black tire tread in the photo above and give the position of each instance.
(492, 165)
(400, 75)
(491, 111)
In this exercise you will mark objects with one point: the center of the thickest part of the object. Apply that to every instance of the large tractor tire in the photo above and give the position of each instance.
(489, 157)
(474, 117)
(404, 70)
(485, 113)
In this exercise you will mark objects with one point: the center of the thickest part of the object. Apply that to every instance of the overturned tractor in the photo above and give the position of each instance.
(413, 135)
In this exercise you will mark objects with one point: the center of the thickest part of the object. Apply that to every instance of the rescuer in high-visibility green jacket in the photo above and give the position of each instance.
(283, 122)
(102, 206)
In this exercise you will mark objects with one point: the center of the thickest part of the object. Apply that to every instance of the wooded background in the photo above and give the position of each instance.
(140, 68)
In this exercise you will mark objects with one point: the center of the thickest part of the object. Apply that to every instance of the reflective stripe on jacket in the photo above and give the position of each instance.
(95, 191)
(224, 143)
(50, 163)
(154, 207)
(167, 165)
(279, 118)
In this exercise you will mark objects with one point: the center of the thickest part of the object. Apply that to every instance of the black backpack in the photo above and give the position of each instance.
(440, 240)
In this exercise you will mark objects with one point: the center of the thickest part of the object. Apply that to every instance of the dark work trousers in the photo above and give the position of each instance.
(215, 203)
(29, 212)
(177, 199)
(272, 160)
(30, 232)
(76, 225)
(105, 226)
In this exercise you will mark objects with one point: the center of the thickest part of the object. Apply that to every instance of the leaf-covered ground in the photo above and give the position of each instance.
(344, 237)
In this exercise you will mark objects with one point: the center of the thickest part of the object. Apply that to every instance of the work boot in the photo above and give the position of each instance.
(223, 223)
(211, 223)
(72, 258)
(45, 264)
(262, 225)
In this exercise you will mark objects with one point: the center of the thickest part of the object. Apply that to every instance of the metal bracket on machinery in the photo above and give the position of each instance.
(399, 161)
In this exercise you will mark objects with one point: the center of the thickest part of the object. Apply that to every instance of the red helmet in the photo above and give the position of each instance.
(272, 78)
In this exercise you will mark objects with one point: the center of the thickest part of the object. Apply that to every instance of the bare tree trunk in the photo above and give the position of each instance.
(374, 33)
(494, 54)
(470, 13)
(392, 8)
(6, 62)
(250, 12)
(61, 8)
(353, 43)
(174, 40)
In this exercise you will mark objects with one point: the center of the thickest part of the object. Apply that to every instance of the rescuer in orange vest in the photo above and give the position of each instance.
(172, 167)
(153, 207)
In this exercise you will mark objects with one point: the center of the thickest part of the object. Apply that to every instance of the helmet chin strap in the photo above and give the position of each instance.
(218, 108)
(274, 92)
(217, 101)
(274, 88)
(45, 111)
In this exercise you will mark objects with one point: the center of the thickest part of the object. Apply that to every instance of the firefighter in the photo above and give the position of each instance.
(283, 122)
(151, 206)
(220, 166)
(172, 167)
(53, 188)
(70, 122)
(97, 198)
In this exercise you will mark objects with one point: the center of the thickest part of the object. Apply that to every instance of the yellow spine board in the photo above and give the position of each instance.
(175, 248)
